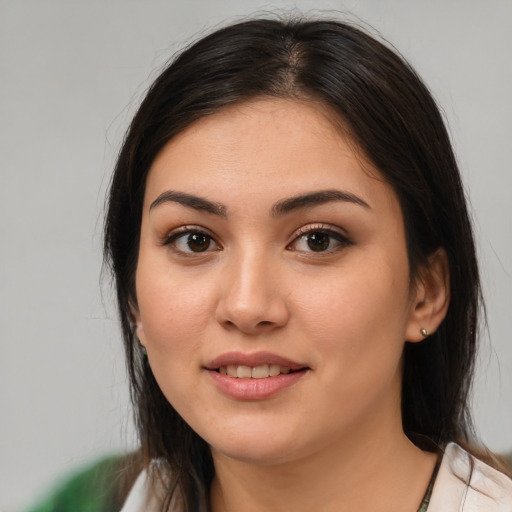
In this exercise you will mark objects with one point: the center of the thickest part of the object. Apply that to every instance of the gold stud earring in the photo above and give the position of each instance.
(424, 332)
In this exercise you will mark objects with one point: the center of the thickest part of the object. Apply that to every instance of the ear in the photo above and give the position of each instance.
(431, 297)
(139, 328)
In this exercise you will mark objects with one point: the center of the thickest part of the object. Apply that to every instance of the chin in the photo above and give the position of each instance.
(256, 453)
(254, 445)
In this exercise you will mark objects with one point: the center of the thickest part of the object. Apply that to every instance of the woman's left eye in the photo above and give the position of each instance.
(319, 241)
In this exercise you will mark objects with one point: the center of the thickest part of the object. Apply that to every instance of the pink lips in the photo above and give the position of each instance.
(256, 359)
(254, 389)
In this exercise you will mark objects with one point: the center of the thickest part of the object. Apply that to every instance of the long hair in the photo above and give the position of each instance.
(389, 114)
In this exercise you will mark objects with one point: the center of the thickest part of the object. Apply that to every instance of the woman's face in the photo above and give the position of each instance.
(273, 283)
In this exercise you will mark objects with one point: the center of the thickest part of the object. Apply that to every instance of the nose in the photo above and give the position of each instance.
(253, 298)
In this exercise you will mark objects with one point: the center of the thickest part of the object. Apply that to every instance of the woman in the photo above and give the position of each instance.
(297, 281)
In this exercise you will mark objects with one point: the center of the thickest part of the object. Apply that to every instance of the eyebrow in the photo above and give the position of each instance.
(279, 209)
(192, 201)
(314, 199)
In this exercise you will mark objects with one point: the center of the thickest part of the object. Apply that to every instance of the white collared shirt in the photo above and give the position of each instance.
(466, 484)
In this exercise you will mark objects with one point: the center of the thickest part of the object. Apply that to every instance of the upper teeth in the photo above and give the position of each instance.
(254, 372)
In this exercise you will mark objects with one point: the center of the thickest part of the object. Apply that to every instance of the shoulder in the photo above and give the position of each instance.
(139, 495)
(467, 484)
(148, 492)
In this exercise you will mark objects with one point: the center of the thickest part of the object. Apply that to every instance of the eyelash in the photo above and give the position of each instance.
(323, 229)
(172, 238)
(302, 234)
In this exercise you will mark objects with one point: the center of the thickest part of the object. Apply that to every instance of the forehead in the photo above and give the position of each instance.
(264, 149)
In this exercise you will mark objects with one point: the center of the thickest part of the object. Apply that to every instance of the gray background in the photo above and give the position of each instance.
(72, 73)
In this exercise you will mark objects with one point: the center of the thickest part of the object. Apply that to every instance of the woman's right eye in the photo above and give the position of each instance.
(189, 242)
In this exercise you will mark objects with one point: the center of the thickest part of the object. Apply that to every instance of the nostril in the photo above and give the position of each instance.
(250, 317)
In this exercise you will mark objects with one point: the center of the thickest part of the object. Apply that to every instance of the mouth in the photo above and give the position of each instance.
(256, 376)
(259, 365)
(263, 371)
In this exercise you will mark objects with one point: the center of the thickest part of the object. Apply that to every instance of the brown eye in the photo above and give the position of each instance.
(198, 242)
(192, 242)
(318, 242)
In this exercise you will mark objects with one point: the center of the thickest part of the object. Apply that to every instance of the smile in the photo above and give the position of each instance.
(256, 376)
(255, 372)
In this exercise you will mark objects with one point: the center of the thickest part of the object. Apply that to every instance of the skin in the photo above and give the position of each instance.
(334, 437)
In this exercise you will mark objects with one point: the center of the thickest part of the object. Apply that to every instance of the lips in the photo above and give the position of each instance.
(262, 371)
(254, 376)
(258, 359)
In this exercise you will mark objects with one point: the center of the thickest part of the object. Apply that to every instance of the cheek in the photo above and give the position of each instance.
(360, 314)
(358, 335)
(173, 310)
(174, 316)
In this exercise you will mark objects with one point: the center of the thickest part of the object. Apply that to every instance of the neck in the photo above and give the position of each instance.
(383, 472)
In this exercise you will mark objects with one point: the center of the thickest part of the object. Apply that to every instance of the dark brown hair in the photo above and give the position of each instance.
(392, 118)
